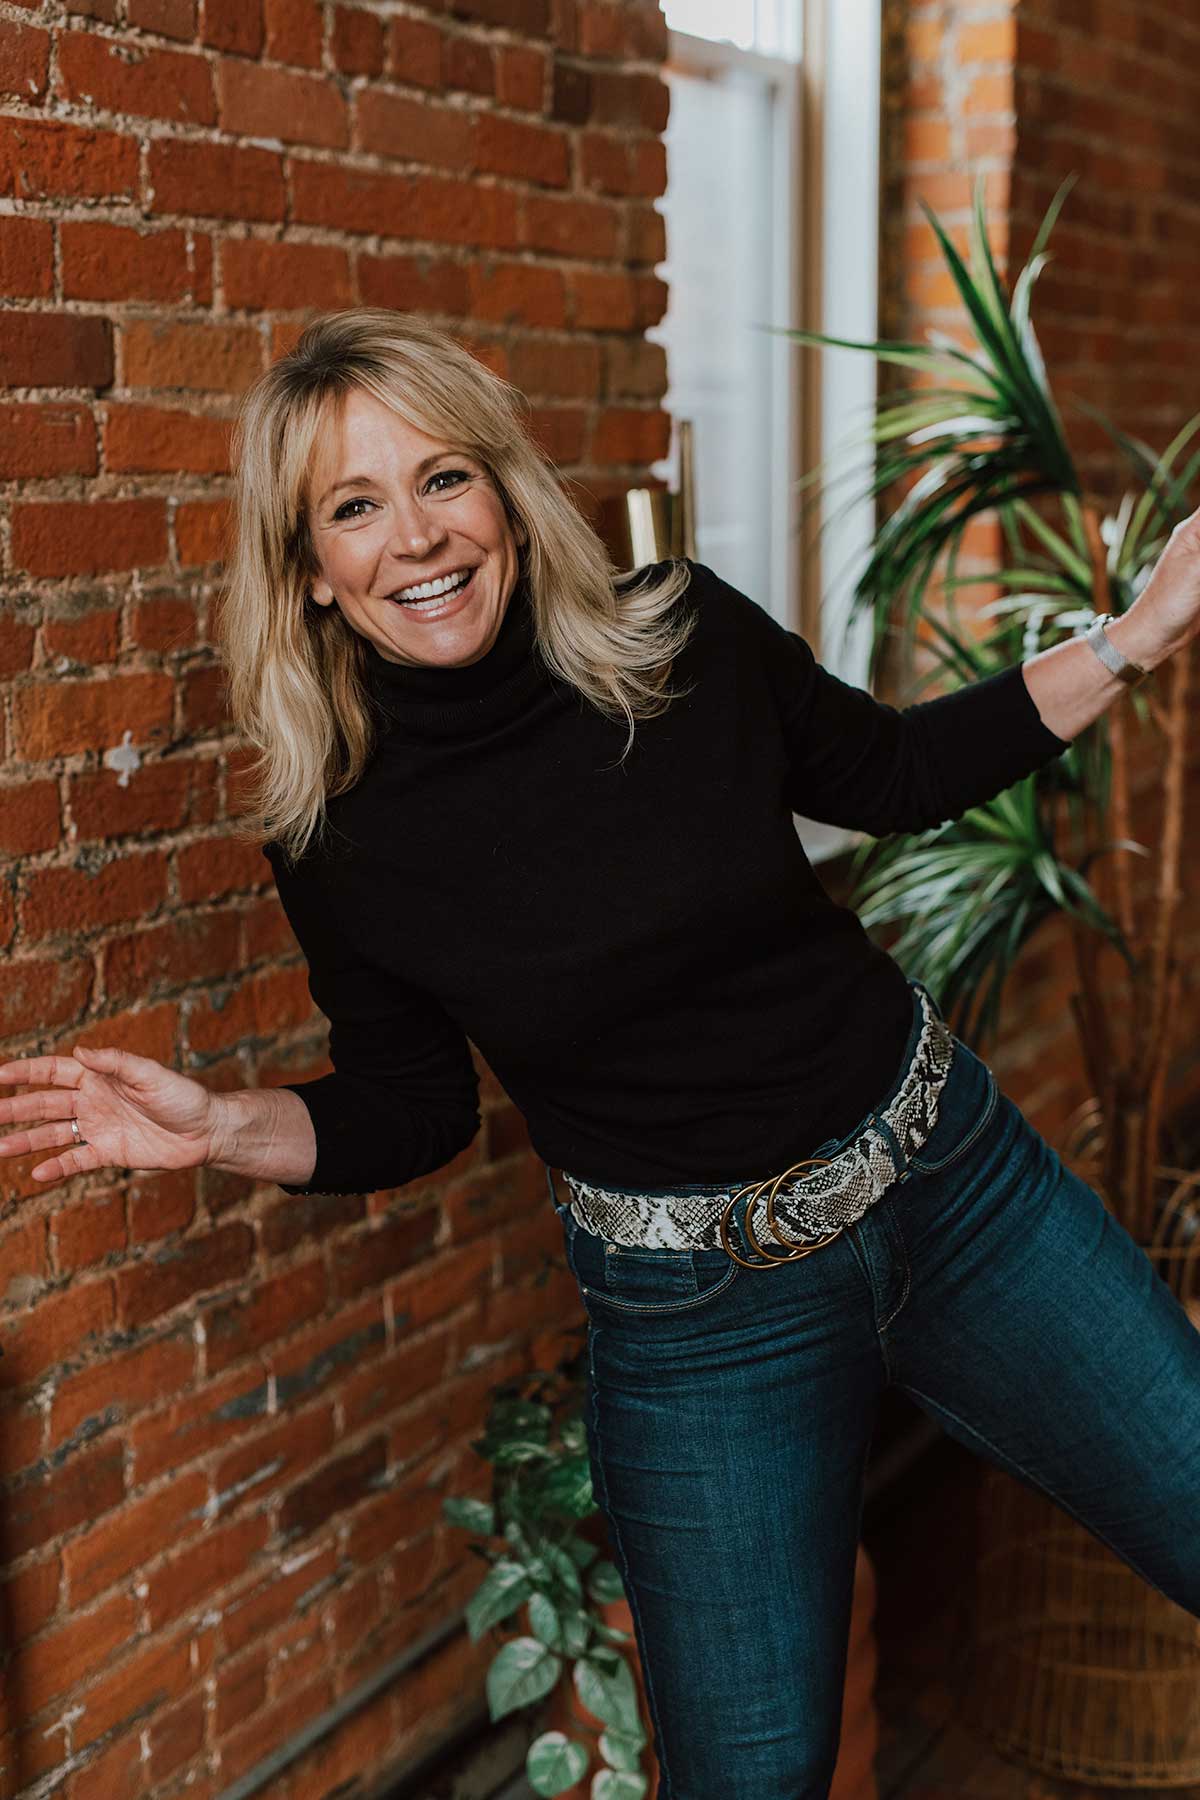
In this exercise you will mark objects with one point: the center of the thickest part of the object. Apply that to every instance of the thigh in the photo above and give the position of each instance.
(728, 1422)
(1041, 1334)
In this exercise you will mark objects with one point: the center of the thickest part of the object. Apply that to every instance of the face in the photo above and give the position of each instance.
(390, 508)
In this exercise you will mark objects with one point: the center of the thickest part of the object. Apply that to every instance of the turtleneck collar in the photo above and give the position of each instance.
(427, 694)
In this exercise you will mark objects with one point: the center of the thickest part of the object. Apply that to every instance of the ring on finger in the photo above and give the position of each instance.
(75, 1132)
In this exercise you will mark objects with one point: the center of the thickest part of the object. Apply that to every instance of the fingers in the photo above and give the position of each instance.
(71, 1162)
(27, 1071)
(20, 1143)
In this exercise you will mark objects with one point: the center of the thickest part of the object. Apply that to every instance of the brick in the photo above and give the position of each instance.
(273, 1726)
(298, 109)
(30, 817)
(521, 77)
(373, 1255)
(988, 40)
(513, 293)
(48, 159)
(24, 58)
(72, 899)
(274, 1308)
(200, 531)
(115, 262)
(26, 257)
(158, 797)
(441, 137)
(294, 31)
(528, 152)
(222, 181)
(40, 440)
(123, 1386)
(234, 26)
(388, 1382)
(322, 1353)
(205, 706)
(469, 64)
(130, 1691)
(252, 1615)
(160, 1203)
(241, 1688)
(58, 1327)
(72, 537)
(175, 1737)
(336, 1488)
(414, 284)
(108, 76)
(168, 18)
(351, 199)
(61, 717)
(116, 1770)
(220, 1557)
(151, 438)
(571, 226)
(30, 1599)
(264, 1463)
(82, 632)
(55, 350)
(23, 1261)
(199, 1421)
(440, 1284)
(57, 1662)
(113, 1549)
(163, 623)
(54, 1498)
(151, 1031)
(147, 1290)
(415, 52)
(209, 871)
(631, 435)
(357, 41)
(86, 1233)
(259, 274)
(304, 1217)
(464, 212)
(36, 993)
(168, 353)
(185, 951)
(16, 649)
(392, 1519)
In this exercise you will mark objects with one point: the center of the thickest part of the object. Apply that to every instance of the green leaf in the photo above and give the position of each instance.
(521, 1672)
(615, 1784)
(605, 1583)
(502, 1590)
(577, 1628)
(545, 1623)
(622, 1749)
(472, 1515)
(608, 1692)
(554, 1762)
(563, 1566)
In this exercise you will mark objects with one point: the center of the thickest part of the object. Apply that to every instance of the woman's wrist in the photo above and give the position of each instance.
(263, 1133)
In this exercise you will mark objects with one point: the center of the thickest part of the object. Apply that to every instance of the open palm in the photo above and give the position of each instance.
(132, 1113)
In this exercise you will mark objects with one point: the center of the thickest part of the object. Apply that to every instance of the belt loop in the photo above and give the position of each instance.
(550, 1183)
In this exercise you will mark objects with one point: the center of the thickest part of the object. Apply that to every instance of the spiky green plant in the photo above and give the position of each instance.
(977, 432)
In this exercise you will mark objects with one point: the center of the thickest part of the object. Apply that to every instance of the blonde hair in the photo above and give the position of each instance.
(295, 670)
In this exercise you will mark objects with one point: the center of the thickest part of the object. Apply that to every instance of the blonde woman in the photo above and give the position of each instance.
(517, 796)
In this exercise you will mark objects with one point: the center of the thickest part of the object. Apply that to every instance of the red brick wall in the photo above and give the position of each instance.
(229, 1418)
(1028, 91)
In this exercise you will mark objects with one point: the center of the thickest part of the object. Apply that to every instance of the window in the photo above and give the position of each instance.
(771, 214)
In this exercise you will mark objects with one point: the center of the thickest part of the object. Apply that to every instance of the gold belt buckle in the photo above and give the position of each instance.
(796, 1251)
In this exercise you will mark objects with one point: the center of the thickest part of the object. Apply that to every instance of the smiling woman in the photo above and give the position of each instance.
(422, 559)
(376, 464)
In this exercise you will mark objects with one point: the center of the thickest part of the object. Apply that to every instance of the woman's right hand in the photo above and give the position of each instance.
(132, 1112)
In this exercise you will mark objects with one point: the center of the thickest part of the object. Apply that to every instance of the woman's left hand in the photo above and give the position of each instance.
(1168, 607)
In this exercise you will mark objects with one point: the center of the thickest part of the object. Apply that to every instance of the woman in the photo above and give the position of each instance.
(491, 817)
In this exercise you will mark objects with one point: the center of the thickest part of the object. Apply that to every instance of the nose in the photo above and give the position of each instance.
(416, 532)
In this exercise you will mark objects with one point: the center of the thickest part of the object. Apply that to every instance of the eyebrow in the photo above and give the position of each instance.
(351, 481)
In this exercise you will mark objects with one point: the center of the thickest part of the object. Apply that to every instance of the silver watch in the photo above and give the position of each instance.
(1129, 672)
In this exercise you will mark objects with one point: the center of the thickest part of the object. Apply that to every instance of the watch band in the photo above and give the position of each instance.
(1119, 665)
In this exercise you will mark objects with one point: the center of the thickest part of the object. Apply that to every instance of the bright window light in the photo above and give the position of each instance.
(772, 27)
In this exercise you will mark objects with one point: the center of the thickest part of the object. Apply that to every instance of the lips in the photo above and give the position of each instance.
(448, 594)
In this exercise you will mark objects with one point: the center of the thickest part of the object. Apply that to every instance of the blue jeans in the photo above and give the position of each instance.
(729, 1415)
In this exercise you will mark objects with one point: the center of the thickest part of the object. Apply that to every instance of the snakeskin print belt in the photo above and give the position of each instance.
(802, 1212)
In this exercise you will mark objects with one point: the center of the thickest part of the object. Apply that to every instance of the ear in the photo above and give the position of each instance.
(321, 591)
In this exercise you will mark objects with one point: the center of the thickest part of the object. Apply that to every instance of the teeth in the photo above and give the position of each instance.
(428, 590)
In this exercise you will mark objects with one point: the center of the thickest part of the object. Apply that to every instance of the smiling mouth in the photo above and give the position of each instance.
(438, 602)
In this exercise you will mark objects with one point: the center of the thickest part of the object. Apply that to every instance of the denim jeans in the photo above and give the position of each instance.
(729, 1416)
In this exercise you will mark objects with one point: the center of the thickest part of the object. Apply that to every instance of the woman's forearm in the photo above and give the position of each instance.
(265, 1133)
(1069, 684)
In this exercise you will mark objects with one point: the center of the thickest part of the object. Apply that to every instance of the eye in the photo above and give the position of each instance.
(456, 475)
(341, 512)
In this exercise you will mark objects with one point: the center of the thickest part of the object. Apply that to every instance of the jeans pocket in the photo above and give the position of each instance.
(966, 1106)
(625, 1278)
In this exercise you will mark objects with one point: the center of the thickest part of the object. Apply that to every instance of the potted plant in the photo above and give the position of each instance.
(977, 432)
(540, 1560)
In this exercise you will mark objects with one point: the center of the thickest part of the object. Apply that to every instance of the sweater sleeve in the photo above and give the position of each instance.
(857, 762)
(404, 1095)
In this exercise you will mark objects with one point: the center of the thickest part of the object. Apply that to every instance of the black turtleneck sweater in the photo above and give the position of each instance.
(641, 951)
